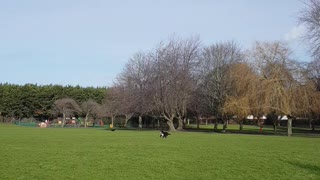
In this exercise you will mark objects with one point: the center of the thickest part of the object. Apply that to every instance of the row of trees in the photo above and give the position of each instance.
(38, 101)
(180, 78)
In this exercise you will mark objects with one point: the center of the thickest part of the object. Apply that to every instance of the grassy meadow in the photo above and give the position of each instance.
(78, 153)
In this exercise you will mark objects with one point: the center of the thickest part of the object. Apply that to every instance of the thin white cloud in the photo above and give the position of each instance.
(295, 33)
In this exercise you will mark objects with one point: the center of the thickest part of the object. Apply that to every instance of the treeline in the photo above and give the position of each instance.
(180, 79)
(30, 100)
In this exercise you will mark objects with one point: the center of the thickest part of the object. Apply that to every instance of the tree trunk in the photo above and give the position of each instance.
(86, 120)
(289, 127)
(215, 128)
(224, 126)
(180, 124)
(241, 125)
(2, 117)
(153, 123)
(63, 120)
(275, 127)
(171, 126)
(140, 122)
(260, 125)
(188, 121)
(169, 120)
(126, 121)
(312, 125)
(112, 121)
(198, 123)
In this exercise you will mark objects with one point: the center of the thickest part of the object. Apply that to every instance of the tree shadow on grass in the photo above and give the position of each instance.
(312, 168)
(128, 129)
(232, 131)
(264, 132)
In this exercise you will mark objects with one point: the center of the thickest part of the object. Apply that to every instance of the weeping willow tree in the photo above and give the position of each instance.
(284, 86)
(242, 80)
(273, 85)
(314, 108)
(309, 106)
(313, 73)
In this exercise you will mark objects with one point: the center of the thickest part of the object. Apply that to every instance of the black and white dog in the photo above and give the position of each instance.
(164, 134)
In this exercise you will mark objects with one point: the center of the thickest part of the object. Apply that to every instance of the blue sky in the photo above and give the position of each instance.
(87, 42)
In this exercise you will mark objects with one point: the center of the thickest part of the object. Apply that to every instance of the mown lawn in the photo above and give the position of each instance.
(57, 153)
(254, 129)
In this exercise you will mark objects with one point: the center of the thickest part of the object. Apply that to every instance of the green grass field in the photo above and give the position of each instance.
(254, 129)
(57, 153)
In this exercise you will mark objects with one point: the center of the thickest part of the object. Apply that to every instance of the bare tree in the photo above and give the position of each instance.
(165, 96)
(120, 101)
(66, 107)
(90, 108)
(314, 99)
(214, 82)
(125, 101)
(111, 105)
(310, 17)
(136, 81)
(186, 83)
(174, 66)
(313, 70)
